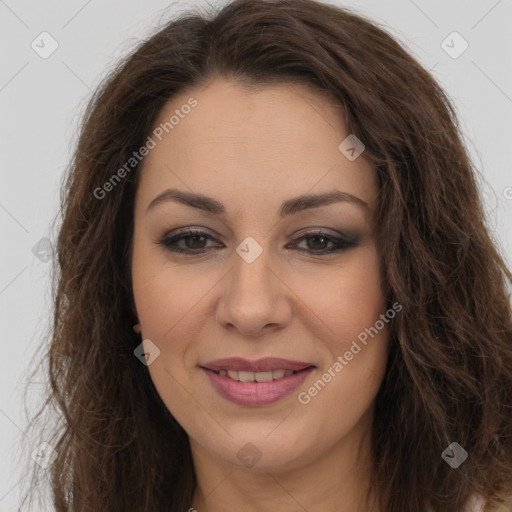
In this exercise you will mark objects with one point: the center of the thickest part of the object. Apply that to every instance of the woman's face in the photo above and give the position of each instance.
(255, 284)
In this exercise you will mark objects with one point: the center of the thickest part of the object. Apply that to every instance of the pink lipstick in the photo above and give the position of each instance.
(255, 383)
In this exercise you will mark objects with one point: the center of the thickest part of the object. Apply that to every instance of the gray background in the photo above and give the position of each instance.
(41, 100)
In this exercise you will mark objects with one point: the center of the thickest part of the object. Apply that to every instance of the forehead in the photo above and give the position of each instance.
(253, 146)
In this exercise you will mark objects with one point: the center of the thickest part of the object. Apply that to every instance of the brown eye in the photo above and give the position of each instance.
(194, 242)
(317, 243)
(321, 242)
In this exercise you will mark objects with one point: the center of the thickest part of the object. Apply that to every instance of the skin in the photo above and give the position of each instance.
(251, 150)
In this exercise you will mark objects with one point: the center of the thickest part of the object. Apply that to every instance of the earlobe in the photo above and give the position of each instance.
(136, 327)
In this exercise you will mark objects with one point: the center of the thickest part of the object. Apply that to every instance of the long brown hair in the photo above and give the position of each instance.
(449, 374)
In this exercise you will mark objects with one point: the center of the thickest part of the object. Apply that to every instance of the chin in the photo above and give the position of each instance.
(264, 449)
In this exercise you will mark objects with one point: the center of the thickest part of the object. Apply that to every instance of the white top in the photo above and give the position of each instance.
(476, 504)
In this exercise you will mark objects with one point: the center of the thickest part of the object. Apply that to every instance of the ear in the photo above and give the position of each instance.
(136, 326)
(133, 310)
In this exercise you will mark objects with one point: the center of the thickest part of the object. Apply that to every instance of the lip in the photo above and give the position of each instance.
(260, 365)
(256, 393)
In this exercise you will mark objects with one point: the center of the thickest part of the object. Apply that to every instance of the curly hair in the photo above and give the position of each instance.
(449, 371)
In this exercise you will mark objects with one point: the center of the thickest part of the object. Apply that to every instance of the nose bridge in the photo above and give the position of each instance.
(251, 269)
(251, 300)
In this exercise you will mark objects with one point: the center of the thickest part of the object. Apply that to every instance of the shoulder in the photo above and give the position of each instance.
(477, 504)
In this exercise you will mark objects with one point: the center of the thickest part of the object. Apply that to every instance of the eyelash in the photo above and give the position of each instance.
(340, 243)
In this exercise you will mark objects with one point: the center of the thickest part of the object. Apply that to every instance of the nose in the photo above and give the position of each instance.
(255, 300)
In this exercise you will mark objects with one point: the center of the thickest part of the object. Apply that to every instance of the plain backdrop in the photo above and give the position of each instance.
(42, 97)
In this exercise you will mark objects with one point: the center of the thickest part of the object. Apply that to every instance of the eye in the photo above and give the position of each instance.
(197, 237)
(195, 241)
(317, 241)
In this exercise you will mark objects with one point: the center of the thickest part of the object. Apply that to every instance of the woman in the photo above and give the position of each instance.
(275, 289)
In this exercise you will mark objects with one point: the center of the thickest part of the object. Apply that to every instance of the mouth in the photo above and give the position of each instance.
(262, 370)
(256, 383)
(247, 376)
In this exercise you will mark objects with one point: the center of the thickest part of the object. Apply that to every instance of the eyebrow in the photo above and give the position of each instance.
(288, 207)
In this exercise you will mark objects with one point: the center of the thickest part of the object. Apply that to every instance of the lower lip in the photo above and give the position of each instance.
(256, 393)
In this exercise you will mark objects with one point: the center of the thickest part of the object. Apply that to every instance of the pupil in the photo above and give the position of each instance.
(195, 237)
(317, 237)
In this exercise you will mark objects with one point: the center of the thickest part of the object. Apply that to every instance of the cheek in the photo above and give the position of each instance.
(346, 300)
(169, 304)
(167, 296)
(348, 305)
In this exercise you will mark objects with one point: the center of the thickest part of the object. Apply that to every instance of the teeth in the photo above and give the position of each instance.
(262, 376)
(244, 376)
(277, 374)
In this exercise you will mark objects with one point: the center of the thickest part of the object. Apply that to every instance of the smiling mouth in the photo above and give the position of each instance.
(244, 376)
(247, 376)
(245, 387)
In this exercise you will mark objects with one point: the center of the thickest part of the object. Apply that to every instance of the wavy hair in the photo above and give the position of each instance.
(449, 373)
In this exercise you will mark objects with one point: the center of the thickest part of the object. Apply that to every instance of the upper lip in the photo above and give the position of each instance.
(259, 365)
